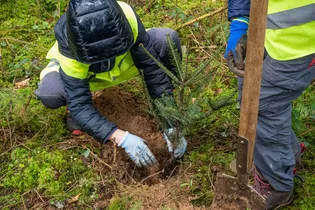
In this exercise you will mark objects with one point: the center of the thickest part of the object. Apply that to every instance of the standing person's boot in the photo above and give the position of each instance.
(72, 125)
(275, 200)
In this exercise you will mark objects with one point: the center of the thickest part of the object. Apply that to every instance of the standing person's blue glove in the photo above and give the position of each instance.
(238, 28)
(181, 147)
(137, 150)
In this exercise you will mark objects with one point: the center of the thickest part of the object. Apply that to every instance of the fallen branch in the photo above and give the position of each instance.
(1, 66)
(150, 5)
(152, 175)
(101, 161)
(40, 197)
(7, 39)
(201, 17)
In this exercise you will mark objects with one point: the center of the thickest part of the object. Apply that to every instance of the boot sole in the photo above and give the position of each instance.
(285, 204)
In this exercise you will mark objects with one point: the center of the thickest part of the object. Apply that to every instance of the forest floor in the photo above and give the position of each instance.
(43, 167)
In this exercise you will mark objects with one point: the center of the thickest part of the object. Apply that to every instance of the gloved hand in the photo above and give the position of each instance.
(181, 147)
(236, 60)
(137, 150)
(238, 28)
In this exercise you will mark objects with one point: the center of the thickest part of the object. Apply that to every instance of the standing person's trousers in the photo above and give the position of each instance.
(277, 147)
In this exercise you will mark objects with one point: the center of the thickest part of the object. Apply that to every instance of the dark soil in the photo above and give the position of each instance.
(230, 195)
(152, 187)
(128, 112)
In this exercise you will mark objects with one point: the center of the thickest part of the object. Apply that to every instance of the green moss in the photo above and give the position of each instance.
(122, 203)
(53, 173)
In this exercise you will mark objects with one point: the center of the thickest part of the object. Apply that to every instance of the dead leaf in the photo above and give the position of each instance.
(74, 199)
(22, 84)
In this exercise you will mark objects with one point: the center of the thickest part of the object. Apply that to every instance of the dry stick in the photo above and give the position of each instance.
(204, 47)
(23, 198)
(40, 197)
(101, 161)
(309, 130)
(7, 39)
(115, 151)
(23, 110)
(9, 45)
(44, 9)
(176, 19)
(210, 179)
(201, 17)
(1, 66)
(171, 174)
(12, 147)
(152, 175)
(5, 138)
(200, 47)
(149, 6)
(23, 203)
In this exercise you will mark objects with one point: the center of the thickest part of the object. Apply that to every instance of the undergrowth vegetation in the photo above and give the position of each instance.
(36, 170)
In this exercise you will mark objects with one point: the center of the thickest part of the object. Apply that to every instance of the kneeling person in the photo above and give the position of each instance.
(98, 46)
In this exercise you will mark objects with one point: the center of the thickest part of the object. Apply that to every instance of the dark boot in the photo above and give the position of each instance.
(72, 125)
(274, 199)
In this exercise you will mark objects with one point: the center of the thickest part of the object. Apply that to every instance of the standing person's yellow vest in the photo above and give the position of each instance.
(123, 70)
(290, 30)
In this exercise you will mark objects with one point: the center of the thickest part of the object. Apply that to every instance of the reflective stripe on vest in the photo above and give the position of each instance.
(290, 32)
(123, 70)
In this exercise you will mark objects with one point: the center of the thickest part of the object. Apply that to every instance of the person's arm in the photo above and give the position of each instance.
(93, 123)
(238, 14)
(83, 111)
(238, 8)
(157, 82)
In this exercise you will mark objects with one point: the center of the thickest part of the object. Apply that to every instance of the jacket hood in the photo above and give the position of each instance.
(97, 30)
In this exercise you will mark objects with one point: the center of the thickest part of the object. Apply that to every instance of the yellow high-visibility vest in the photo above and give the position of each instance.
(123, 70)
(290, 31)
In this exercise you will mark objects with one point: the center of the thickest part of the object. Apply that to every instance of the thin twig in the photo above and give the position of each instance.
(67, 196)
(5, 138)
(1, 65)
(40, 197)
(210, 179)
(309, 130)
(40, 6)
(171, 174)
(152, 175)
(101, 161)
(115, 153)
(149, 6)
(9, 45)
(176, 18)
(20, 41)
(23, 199)
(197, 42)
(12, 147)
(23, 145)
(201, 17)
(204, 47)
(6, 206)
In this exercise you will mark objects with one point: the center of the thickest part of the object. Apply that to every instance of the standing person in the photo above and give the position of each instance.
(288, 69)
(98, 45)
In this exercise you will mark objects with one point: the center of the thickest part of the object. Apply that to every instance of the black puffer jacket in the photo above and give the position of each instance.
(95, 32)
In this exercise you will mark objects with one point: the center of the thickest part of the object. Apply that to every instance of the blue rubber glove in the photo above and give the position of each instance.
(181, 147)
(137, 150)
(238, 28)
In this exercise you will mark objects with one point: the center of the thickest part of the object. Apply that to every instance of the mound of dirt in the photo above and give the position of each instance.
(128, 112)
(165, 195)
